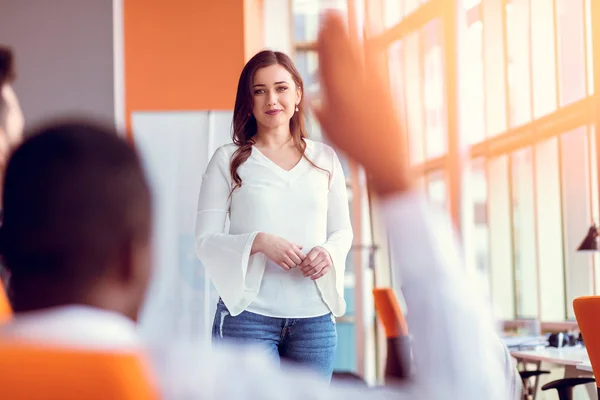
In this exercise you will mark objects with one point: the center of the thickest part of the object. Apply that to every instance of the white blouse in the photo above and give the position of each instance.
(303, 205)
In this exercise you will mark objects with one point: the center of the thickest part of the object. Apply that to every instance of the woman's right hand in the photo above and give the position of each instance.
(282, 252)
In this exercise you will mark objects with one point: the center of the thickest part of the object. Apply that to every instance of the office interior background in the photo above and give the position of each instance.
(498, 98)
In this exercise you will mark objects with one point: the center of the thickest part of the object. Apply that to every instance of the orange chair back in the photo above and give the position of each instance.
(29, 372)
(587, 312)
(389, 312)
(5, 308)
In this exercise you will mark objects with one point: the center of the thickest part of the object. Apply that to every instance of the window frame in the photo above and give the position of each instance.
(580, 113)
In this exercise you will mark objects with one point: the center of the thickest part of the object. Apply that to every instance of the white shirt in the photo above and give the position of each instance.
(75, 326)
(304, 205)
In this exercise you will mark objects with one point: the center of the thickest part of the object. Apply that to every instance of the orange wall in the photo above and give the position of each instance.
(186, 54)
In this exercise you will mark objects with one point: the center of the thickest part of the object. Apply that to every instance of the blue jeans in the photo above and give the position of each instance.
(310, 342)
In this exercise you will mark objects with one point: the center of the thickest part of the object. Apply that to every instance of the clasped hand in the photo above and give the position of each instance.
(288, 255)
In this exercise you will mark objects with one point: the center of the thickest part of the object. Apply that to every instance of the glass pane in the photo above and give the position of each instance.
(472, 90)
(411, 5)
(436, 188)
(589, 47)
(433, 74)
(517, 27)
(524, 233)
(393, 12)
(414, 107)
(307, 63)
(550, 232)
(542, 54)
(306, 15)
(494, 63)
(396, 73)
(501, 260)
(467, 4)
(576, 213)
(571, 50)
(481, 232)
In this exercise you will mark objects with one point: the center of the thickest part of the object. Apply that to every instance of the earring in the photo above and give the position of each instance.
(297, 109)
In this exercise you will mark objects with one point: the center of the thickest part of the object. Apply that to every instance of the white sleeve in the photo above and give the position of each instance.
(226, 257)
(455, 346)
(339, 229)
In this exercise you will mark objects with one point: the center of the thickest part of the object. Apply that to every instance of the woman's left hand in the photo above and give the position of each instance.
(317, 263)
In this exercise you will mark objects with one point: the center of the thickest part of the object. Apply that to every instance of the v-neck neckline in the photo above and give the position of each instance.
(255, 150)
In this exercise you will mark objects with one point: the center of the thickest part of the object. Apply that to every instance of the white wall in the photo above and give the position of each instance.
(277, 25)
(175, 148)
(64, 56)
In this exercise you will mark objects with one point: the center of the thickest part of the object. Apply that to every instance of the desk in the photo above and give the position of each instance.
(573, 359)
(585, 366)
(566, 356)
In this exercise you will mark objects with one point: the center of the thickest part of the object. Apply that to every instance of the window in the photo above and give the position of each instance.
(524, 233)
(393, 12)
(494, 67)
(473, 111)
(571, 50)
(436, 189)
(524, 103)
(433, 85)
(414, 107)
(543, 57)
(306, 16)
(549, 231)
(589, 49)
(396, 76)
(307, 63)
(501, 260)
(517, 31)
(468, 4)
(479, 197)
(576, 211)
(423, 83)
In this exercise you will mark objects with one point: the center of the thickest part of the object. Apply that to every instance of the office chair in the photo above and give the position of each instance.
(35, 372)
(397, 365)
(586, 309)
(528, 388)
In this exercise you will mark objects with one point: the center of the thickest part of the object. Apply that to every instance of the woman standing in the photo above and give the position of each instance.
(279, 267)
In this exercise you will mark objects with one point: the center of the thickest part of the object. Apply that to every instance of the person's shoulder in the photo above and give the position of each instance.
(320, 149)
(225, 152)
(227, 149)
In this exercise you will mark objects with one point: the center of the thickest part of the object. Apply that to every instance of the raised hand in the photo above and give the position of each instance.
(356, 109)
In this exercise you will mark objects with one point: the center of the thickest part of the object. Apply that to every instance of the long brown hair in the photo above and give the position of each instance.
(244, 123)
